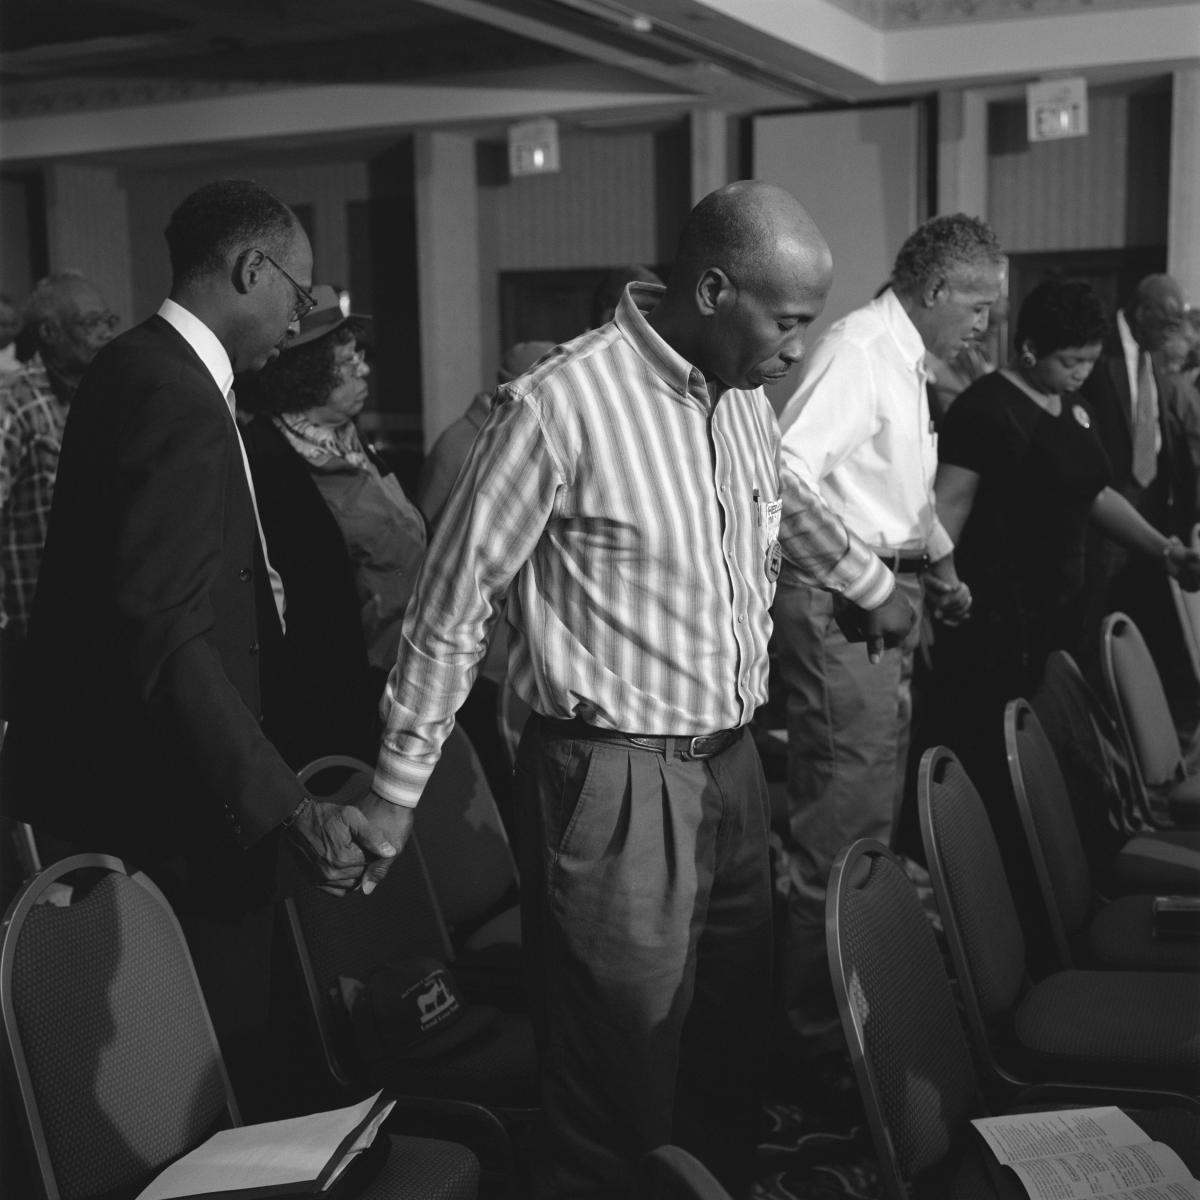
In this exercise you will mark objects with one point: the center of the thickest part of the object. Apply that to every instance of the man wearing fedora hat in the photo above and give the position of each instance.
(157, 617)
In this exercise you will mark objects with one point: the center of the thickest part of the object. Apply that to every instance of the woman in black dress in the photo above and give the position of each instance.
(1021, 475)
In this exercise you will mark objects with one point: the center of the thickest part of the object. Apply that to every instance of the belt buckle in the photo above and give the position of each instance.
(692, 752)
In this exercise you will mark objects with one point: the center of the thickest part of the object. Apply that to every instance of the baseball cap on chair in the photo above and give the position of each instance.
(411, 1009)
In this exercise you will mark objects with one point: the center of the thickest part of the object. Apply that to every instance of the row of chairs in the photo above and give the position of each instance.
(117, 1072)
(1114, 1020)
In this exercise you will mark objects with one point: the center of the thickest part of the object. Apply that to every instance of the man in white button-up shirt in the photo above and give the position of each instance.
(858, 431)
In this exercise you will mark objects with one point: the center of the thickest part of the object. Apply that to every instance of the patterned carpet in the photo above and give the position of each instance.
(809, 1155)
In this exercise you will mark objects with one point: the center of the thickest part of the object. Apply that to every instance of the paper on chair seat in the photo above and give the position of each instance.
(1077, 1154)
(300, 1154)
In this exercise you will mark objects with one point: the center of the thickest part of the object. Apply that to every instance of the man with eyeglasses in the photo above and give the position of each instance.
(157, 626)
(67, 321)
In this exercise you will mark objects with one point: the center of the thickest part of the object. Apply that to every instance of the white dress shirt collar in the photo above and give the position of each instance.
(201, 339)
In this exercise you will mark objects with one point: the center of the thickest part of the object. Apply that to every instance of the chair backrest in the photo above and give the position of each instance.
(983, 930)
(462, 836)
(1059, 860)
(1187, 608)
(356, 935)
(672, 1173)
(114, 1056)
(1136, 694)
(1105, 790)
(910, 1055)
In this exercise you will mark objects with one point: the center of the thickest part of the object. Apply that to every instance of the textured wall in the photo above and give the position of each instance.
(1108, 189)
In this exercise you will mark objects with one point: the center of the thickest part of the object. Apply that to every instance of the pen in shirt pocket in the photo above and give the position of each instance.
(757, 508)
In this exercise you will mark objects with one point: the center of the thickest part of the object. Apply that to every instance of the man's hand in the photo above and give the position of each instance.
(391, 823)
(888, 625)
(949, 598)
(1183, 564)
(336, 841)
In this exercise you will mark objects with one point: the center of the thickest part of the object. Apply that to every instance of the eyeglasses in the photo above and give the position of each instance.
(351, 363)
(305, 301)
(94, 322)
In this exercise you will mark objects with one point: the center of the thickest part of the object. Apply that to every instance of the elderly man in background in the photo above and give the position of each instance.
(1148, 420)
(858, 431)
(627, 495)
(67, 320)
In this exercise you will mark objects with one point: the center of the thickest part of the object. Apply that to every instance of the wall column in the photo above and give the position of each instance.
(1183, 200)
(962, 153)
(448, 277)
(87, 229)
(710, 151)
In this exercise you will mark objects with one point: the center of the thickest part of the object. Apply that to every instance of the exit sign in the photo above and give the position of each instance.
(533, 148)
(1057, 108)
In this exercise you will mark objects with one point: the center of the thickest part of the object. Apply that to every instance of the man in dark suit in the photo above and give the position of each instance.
(1149, 423)
(157, 618)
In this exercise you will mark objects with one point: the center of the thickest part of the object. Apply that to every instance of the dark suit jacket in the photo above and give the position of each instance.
(333, 694)
(142, 730)
(1172, 502)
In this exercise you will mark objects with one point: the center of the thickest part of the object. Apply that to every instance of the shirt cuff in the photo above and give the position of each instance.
(939, 543)
(873, 587)
(399, 781)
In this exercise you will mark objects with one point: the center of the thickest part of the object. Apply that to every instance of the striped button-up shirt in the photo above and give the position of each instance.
(632, 517)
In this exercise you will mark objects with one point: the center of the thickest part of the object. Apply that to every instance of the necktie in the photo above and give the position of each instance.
(1145, 425)
(272, 574)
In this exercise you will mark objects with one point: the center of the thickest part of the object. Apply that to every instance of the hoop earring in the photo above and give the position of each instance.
(1027, 359)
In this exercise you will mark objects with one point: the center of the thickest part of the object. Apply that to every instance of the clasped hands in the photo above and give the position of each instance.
(1183, 564)
(351, 845)
(949, 598)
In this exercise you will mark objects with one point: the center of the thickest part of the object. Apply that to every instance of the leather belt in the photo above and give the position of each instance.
(704, 745)
(904, 564)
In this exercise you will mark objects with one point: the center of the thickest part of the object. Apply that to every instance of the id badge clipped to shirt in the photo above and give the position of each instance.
(770, 512)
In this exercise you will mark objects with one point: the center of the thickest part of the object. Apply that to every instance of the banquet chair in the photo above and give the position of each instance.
(1085, 930)
(1118, 1028)
(672, 1173)
(467, 853)
(357, 936)
(1187, 608)
(109, 1042)
(1125, 853)
(918, 1082)
(1137, 697)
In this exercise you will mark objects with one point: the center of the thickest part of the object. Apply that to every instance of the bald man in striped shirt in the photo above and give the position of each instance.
(628, 495)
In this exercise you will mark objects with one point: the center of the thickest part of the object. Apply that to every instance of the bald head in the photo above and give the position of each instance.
(745, 228)
(751, 274)
(1155, 310)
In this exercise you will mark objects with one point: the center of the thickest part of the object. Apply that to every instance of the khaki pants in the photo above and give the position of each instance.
(647, 924)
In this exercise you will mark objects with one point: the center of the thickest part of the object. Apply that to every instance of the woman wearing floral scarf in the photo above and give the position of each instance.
(340, 531)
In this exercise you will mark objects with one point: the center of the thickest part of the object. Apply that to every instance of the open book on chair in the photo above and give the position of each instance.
(299, 1156)
(1083, 1153)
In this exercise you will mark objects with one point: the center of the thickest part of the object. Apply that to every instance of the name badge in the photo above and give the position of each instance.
(767, 517)
(773, 561)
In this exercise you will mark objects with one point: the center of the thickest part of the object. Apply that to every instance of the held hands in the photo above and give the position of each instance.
(1183, 564)
(949, 598)
(337, 840)
(390, 822)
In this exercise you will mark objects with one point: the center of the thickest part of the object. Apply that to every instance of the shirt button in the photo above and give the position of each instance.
(245, 574)
(741, 618)
(253, 647)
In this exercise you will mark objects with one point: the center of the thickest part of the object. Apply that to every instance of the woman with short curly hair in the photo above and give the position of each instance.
(1021, 475)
